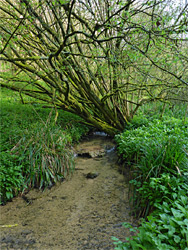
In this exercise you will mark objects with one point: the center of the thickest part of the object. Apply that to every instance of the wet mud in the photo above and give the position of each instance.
(82, 213)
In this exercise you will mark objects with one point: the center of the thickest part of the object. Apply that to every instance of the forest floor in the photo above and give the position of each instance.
(79, 214)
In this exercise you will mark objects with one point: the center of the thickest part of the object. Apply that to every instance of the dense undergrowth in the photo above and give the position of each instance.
(155, 148)
(35, 150)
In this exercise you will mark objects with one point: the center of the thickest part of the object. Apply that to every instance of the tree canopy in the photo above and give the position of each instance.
(99, 59)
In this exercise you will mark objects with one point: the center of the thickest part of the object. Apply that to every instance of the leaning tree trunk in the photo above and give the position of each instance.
(101, 60)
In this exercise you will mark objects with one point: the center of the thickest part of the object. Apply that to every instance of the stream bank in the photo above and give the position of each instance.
(82, 213)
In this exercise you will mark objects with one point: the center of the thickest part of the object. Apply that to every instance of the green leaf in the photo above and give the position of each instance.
(9, 195)
(114, 238)
(177, 238)
(177, 213)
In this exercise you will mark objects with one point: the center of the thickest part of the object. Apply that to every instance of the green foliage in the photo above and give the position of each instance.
(16, 118)
(152, 151)
(47, 158)
(73, 125)
(11, 179)
(140, 138)
(138, 121)
(157, 152)
(163, 187)
(36, 151)
(165, 229)
(155, 111)
(139, 60)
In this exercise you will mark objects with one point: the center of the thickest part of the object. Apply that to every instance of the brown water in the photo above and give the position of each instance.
(78, 214)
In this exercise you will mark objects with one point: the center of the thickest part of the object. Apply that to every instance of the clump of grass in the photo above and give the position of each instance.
(47, 155)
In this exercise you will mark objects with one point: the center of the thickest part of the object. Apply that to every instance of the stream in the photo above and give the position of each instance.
(82, 213)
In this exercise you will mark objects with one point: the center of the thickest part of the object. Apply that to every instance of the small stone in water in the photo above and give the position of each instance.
(92, 175)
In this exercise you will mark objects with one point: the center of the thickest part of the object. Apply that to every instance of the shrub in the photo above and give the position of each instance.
(11, 179)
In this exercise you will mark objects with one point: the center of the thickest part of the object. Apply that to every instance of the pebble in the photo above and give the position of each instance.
(26, 232)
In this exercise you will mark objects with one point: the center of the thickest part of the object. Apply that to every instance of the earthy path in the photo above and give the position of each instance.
(78, 214)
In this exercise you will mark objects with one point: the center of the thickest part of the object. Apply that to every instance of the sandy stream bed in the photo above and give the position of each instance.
(78, 214)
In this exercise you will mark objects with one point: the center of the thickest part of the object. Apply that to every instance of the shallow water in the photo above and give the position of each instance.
(78, 214)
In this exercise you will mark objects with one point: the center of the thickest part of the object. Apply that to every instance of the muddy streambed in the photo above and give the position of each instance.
(81, 213)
